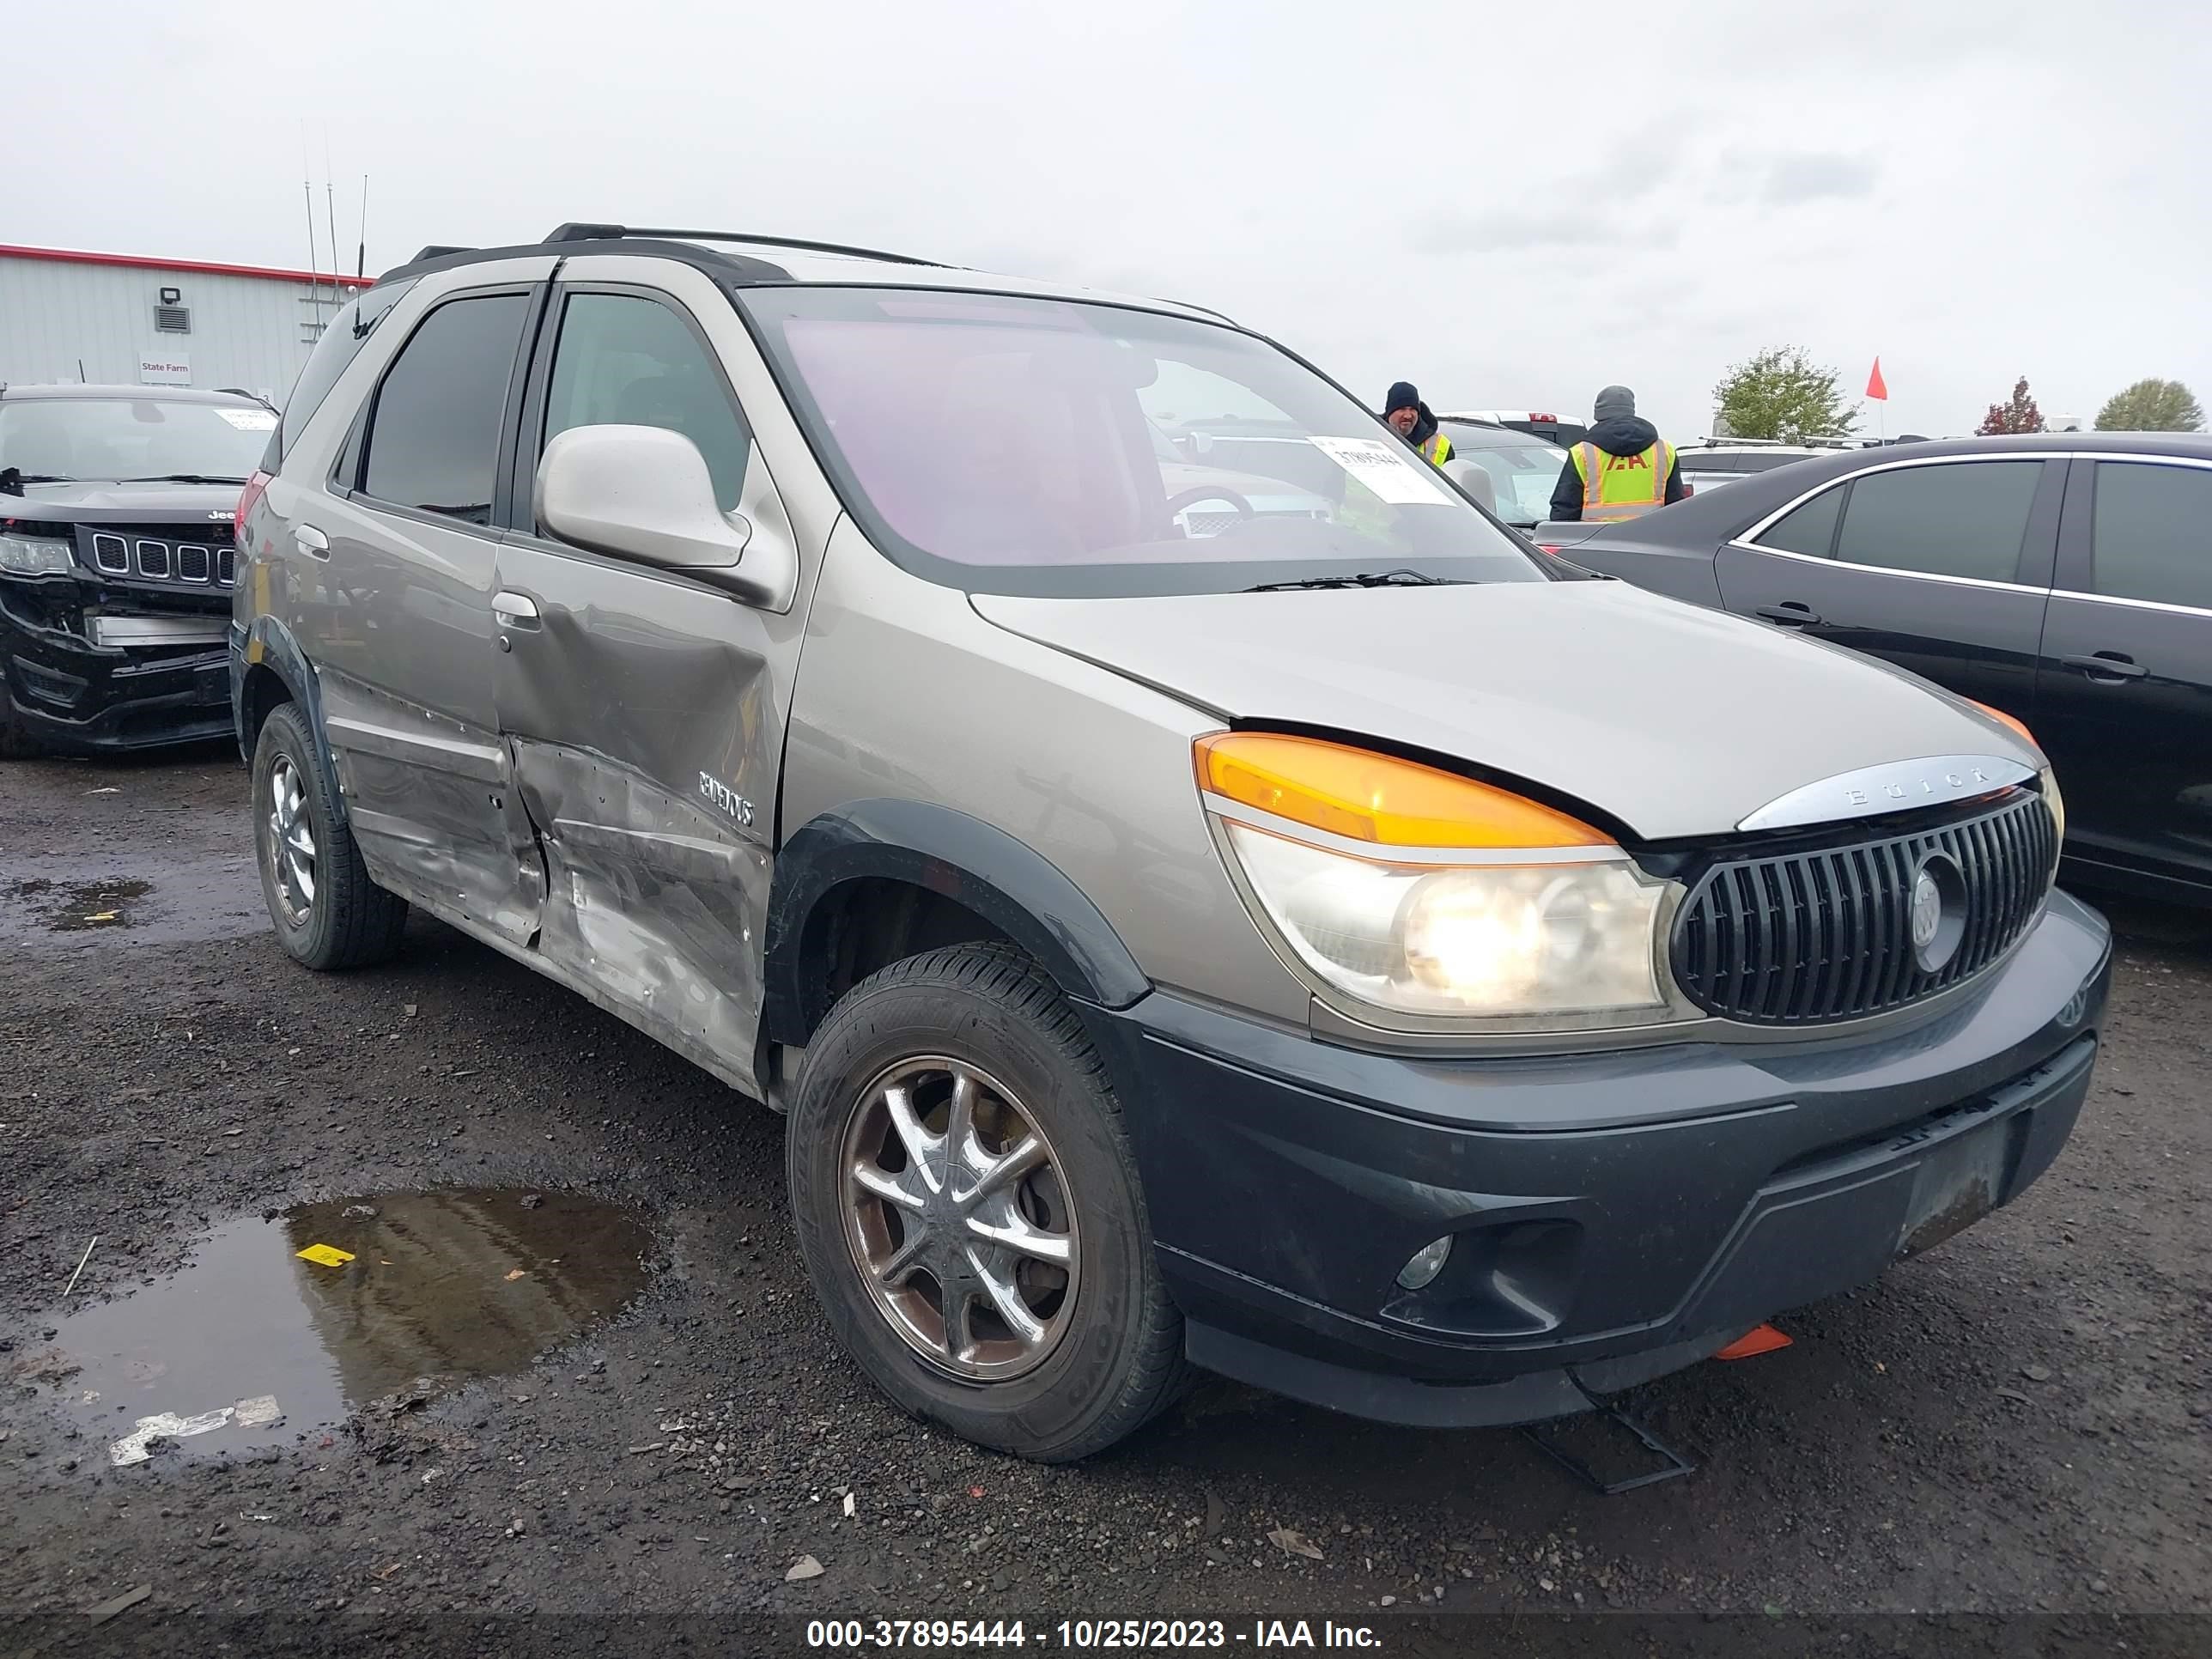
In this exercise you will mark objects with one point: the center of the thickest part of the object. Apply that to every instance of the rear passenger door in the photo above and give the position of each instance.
(2124, 686)
(1942, 566)
(399, 561)
(645, 710)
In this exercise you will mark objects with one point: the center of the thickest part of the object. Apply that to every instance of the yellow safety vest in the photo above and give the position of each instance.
(1437, 448)
(1614, 483)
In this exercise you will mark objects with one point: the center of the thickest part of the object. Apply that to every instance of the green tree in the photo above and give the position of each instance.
(2017, 414)
(2152, 405)
(1782, 393)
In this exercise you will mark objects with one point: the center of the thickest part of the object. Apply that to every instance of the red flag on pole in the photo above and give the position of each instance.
(1877, 388)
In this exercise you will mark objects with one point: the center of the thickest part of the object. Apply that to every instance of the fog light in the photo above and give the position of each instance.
(1425, 1264)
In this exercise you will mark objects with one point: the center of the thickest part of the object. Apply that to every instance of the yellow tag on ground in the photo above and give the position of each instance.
(325, 1256)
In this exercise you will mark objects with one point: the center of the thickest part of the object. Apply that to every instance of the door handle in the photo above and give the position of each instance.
(516, 611)
(2108, 667)
(1790, 614)
(310, 541)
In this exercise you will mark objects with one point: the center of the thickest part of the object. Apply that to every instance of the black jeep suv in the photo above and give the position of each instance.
(117, 506)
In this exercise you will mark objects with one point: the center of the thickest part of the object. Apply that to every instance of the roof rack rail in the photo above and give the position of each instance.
(591, 232)
(439, 250)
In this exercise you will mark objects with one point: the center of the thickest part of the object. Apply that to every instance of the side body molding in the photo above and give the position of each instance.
(942, 851)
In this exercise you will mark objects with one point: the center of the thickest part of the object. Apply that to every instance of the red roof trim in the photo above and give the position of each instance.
(74, 257)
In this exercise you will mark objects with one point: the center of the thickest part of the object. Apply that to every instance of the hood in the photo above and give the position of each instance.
(1623, 434)
(1425, 426)
(94, 502)
(1676, 720)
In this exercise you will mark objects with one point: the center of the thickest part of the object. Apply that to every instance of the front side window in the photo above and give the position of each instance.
(1024, 446)
(2154, 532)
(624, 360)
(1962, 519)
(433, 437)
(110, 439)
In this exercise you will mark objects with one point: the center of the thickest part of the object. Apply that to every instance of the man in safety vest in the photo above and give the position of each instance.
(1621, 468)
(1410, 419)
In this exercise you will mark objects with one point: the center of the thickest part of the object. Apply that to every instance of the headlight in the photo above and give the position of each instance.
(22, 556)
(2047, 781)
(1416, 891)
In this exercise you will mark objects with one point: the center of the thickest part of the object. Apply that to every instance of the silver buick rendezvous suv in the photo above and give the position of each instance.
(1336, 949)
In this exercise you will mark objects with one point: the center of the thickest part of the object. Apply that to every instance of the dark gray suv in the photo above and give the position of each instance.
(1333, 947)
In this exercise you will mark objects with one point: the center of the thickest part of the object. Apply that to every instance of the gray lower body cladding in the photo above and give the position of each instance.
(1613, 1217)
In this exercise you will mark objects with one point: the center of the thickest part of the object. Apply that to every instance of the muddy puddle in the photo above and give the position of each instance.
(203, 897)
(80, 908)
(283, 1325)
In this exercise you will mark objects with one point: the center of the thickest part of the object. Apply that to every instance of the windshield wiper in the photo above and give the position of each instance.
(9, 477)
(184, 477)
(1361, 579)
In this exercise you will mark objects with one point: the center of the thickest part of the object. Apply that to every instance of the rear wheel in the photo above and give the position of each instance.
(969, 1211)
(326, 910)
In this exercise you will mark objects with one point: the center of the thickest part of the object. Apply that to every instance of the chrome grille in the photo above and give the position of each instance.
(1804, 938)
(197, 556)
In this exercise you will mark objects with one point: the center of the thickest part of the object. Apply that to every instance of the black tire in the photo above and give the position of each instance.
(351, 921)
(1119, 1359)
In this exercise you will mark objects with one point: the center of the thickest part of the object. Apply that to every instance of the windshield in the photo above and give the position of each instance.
(1524, 472)
(105, 439)
(1009, 445)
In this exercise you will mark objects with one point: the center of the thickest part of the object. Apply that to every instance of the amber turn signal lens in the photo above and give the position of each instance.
(1365, 796)
(2017, 725)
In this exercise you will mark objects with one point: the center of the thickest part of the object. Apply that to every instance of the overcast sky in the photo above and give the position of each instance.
(1509, 203)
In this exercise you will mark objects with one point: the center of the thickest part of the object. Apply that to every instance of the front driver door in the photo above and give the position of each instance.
(645, 710)
(1942, 568)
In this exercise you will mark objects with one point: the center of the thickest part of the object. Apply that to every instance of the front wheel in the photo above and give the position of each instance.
(969, 1211)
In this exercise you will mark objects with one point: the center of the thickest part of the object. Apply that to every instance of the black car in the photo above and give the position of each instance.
(2065, 579)
(117, 506)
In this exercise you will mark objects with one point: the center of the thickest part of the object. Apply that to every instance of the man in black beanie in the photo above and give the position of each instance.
(1410, 419)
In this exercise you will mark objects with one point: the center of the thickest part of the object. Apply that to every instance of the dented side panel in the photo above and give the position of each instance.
(646, 715)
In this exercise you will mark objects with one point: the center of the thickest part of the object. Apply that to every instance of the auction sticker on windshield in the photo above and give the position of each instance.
(249, 420)
(1389, 475)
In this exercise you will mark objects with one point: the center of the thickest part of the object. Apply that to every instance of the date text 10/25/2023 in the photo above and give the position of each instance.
(1124, 1635)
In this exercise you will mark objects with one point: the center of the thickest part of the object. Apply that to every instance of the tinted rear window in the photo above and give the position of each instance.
(1811, 529)
(1965, 518)
(433, 439)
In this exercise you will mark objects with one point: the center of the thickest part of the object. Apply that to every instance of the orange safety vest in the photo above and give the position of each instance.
(1621, 486)
(1437, 448)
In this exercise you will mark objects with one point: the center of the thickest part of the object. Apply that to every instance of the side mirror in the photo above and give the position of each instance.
(643, 492)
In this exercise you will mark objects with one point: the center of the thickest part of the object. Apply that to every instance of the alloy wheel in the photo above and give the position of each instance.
(959, 1222)
(291, 842)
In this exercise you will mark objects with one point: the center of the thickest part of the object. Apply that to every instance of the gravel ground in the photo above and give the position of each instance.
(2014, 1423)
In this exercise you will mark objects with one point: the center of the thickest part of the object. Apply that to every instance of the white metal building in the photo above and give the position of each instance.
(122, 318)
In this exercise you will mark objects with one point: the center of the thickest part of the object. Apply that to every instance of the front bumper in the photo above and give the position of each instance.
(1615, 1216)
(77, 697)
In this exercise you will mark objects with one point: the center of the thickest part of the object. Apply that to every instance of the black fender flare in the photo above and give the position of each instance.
(1005, 881)
(267, 643)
